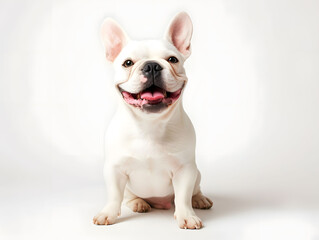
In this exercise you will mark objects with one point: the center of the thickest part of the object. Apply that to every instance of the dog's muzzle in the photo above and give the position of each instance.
(153, 97)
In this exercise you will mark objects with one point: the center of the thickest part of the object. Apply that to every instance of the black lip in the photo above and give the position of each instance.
(154, 108)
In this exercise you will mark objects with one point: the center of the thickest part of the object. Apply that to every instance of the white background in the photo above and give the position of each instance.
(253, 96)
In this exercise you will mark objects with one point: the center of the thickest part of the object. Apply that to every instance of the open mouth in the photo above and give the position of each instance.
(151, 96)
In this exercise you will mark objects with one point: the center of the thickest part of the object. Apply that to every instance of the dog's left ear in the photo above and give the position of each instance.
(180, 32)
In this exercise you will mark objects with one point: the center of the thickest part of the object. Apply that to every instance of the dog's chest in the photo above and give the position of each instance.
(153, 154)
(151, 167)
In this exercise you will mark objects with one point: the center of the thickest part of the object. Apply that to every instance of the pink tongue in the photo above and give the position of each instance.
(157, 95)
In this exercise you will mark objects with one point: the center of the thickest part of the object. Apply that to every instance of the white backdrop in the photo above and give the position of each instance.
(253, 96)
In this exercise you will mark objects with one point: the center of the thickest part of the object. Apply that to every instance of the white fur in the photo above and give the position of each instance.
(151, 154)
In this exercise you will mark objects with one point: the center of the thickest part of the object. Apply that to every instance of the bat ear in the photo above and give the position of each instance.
(179, 33)
(113, 37)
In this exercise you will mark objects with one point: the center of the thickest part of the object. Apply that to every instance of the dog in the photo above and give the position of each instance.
(150, 142)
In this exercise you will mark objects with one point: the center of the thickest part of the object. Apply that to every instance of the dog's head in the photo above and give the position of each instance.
(149, 74)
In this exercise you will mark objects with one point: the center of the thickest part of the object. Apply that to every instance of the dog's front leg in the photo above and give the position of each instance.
(184, 181)
(116, 181)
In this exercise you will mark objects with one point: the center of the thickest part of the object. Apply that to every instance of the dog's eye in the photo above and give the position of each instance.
(127, 63)
(172, 60)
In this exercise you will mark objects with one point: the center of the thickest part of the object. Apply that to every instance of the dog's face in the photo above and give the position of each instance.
(149, 74)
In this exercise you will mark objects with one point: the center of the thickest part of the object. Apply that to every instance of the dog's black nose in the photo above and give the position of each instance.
(152, 71)
(152, 67)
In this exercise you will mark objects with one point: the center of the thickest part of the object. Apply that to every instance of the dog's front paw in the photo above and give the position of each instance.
(104, 218)
(188, 221)
(107, 216)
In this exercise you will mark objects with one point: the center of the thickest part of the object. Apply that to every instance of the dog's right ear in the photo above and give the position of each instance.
(180, 32)
(113, 37)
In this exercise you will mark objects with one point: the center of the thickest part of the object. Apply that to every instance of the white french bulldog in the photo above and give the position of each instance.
(150, 143)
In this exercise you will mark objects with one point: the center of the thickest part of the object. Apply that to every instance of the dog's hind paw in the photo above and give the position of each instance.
(138, 205)
(199, 201)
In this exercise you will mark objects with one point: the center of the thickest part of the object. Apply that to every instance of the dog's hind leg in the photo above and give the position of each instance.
(135, 203)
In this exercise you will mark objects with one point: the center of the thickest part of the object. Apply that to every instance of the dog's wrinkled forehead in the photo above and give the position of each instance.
(147, 50)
